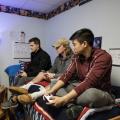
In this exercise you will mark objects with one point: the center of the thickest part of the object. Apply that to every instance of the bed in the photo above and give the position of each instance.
(36, 112)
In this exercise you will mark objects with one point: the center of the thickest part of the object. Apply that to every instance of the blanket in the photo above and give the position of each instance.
(43, 112)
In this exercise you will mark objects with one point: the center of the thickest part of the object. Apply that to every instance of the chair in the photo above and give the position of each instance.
(12, 71)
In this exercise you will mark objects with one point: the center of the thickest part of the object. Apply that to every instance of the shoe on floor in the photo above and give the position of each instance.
(73, 112)
(8, 104)
(25, 99)
(18, 90)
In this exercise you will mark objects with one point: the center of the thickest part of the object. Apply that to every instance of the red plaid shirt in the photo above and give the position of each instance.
(94, 72)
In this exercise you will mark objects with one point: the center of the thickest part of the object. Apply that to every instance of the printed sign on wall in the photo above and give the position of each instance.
(115, 53)
(21, 50)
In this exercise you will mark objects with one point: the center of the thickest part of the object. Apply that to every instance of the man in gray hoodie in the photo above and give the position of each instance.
(61, 62)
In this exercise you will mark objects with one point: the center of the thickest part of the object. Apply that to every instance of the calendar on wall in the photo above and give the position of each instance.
(21, 50)
(115, 53)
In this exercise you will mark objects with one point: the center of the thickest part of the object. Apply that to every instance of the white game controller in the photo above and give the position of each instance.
(47, 97)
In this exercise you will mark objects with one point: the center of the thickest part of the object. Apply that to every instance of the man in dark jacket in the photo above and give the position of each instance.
(40, 60)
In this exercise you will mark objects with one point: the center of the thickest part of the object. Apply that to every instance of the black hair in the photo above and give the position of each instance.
(83, 35)
(35, 40)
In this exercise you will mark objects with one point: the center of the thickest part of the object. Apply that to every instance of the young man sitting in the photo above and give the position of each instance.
(40, 60)
(93, 88)
(61, 62)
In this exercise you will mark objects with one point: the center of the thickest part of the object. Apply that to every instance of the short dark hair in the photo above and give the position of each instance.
(83, 35)
(35, 40)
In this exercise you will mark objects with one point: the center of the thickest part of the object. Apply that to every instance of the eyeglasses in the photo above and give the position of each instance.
(57, 47)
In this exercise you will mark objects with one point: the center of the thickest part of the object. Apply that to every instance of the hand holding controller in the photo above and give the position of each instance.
(47, 97)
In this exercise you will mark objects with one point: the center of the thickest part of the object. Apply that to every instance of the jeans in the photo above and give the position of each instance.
(92, 97)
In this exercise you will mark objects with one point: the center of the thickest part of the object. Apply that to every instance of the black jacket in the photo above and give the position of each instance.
(40, 60)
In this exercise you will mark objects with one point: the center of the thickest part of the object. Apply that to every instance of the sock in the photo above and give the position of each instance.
(26, 86)
(35, 95)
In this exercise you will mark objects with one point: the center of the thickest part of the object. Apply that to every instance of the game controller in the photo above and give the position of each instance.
(47, 97)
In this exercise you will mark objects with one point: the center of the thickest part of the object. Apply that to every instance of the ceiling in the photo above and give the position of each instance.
(43, 6)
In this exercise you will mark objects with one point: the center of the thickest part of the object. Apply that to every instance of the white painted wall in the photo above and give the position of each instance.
(10, 27)
(101, 16)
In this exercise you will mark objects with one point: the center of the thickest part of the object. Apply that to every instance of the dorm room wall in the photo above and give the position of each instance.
(101, 16)
(10, 27)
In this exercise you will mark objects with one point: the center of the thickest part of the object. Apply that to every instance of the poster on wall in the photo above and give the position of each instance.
(22, 36)
(97, 42)
(115, 53)
(21, 50)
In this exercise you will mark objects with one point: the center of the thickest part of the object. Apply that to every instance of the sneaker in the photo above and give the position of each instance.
(25, 99)
(73, 112)
(18, 90)
(8, 104)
